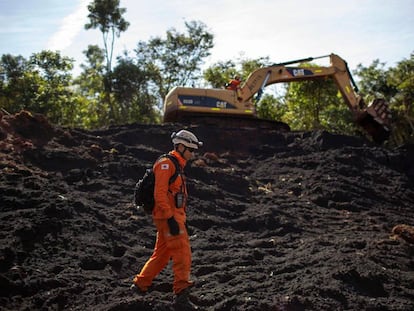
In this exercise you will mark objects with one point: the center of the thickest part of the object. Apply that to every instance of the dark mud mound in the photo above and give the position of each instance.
(292, 221)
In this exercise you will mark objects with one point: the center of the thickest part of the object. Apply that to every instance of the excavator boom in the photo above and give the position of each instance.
(186, 104)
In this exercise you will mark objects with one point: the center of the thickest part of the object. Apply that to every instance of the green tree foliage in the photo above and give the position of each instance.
(107, 16)
(175, 60)
(132, 91)
(374, 81)
(271, 108)
(93, 110)
(40, 84)
(218, 74)
(54, 95)
(317, 104)
(402, 79)
(396, 86)
(15, 93)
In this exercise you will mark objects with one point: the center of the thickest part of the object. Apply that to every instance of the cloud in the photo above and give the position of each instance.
(71, 25)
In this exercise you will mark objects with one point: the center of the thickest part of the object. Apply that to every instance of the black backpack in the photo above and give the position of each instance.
(144, 188)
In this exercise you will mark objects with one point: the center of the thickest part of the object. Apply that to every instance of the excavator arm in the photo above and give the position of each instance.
(191, 102)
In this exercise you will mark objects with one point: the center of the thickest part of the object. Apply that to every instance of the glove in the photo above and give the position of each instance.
(173, 225)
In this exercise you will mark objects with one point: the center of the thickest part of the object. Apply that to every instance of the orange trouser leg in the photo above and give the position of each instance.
(167, 247)
(158, 260)
(181, 257)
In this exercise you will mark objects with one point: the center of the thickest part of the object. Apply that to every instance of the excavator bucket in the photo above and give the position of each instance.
(375, 120)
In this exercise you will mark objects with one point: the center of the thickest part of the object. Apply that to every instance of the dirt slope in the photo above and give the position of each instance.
(295, 221)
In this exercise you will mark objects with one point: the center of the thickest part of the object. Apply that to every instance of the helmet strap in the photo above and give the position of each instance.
(181, 153)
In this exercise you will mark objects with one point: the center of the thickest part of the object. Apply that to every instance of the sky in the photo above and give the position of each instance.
(360, 31)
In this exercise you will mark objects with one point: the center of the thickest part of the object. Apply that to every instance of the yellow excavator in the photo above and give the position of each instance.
(198, 105)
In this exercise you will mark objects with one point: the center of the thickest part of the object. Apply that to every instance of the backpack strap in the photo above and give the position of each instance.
(178, 169)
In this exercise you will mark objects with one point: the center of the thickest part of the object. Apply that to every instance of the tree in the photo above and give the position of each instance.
(402, 79)
(271, 108)
(175, 60)
(374, 81)
(93, 110)
(107, 16)
(40, 84)
(132, 91)
(396, 86)
(221, 72)
(12, 85)
(309, 104)
(54, 97)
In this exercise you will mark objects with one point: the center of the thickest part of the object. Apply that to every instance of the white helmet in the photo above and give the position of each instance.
(186, 138)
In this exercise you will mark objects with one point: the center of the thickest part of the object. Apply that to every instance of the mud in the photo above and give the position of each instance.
(278, 221)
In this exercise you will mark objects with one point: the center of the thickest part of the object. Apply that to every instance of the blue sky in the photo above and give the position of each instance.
(360, 31)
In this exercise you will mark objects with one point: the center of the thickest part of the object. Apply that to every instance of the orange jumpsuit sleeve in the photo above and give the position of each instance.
(163, 170)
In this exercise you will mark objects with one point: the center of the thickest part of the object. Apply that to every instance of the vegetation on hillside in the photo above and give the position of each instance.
(133, 88)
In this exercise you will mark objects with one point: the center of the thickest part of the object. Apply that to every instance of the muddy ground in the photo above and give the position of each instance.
(278, 221)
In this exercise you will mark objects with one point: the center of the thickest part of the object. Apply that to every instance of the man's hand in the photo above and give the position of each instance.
(173, 225)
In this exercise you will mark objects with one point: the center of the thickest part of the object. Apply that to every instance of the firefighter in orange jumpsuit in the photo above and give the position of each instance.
(169, 217)
(234, 84)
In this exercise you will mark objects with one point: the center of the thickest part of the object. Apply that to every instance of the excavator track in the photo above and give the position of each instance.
(236, 122)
